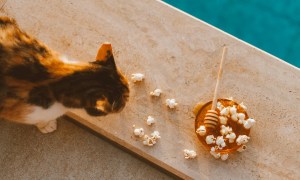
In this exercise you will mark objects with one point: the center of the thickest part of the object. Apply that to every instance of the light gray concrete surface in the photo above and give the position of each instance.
(69, 153)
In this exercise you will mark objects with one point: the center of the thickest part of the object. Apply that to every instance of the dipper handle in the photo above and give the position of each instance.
(215, 99)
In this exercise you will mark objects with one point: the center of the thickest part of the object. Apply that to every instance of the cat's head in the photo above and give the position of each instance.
(112, 91)
(100, 89)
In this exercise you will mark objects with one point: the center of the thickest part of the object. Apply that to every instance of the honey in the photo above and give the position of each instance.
(237, 128)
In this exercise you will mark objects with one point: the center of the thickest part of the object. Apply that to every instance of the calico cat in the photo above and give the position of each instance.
(36, 86)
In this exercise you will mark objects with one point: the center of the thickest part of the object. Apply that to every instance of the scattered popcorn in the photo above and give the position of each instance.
(201, 130)
(220, 106)
(210, 139)
(189, 154)
(249, 123)
(137, 77)
(150, 141)
(171, 103)
(242, 148)
(225, 130)
(150, 120)
(224, 157)
(231, 136)
(155, 135)
(243, 106)
(139, 132)
(224, 112)
(214, 154)
(241, 116)
(156, 92)
(234, 117)
(242, 139)
(220, 142)
(223, 120)
(232, 110)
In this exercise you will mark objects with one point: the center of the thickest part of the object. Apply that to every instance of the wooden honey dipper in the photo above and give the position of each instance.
(211, 119)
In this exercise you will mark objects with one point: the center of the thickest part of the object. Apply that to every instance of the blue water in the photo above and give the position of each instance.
(271, 25)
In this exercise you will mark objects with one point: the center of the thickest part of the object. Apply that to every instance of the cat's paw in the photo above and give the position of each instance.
(47, 127)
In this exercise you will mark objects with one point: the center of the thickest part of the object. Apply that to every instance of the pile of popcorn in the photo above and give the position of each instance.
(231, 112)
(227, 134)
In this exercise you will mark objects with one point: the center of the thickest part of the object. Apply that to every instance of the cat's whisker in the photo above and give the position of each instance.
(113, 105)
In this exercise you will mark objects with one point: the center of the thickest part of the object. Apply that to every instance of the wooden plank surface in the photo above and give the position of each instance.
(180, 55)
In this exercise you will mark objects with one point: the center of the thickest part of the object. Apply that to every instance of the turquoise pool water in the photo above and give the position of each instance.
(271, 25)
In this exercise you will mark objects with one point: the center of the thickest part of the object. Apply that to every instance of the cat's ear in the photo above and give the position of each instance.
(105, 55)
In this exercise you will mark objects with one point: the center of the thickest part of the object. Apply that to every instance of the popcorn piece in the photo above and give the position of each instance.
(223, 120)
(249, 123)
(189, 154)
(241, 116)
(150, 141)
(220, 106)
(201, 130)
(242, 139)
(232, 110)
(137, 77)
(155, 135)
(224, 112)
(156, 92)
(242, 105)
(240, 121)
(214, 154)
(150, 120)
(139, 132)
(251, 120)
(210, 139)
(225, 130)
(171, 103)
(224, 157)
(220, 142)
(234, 117)
(231, 137)
(242, 148)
